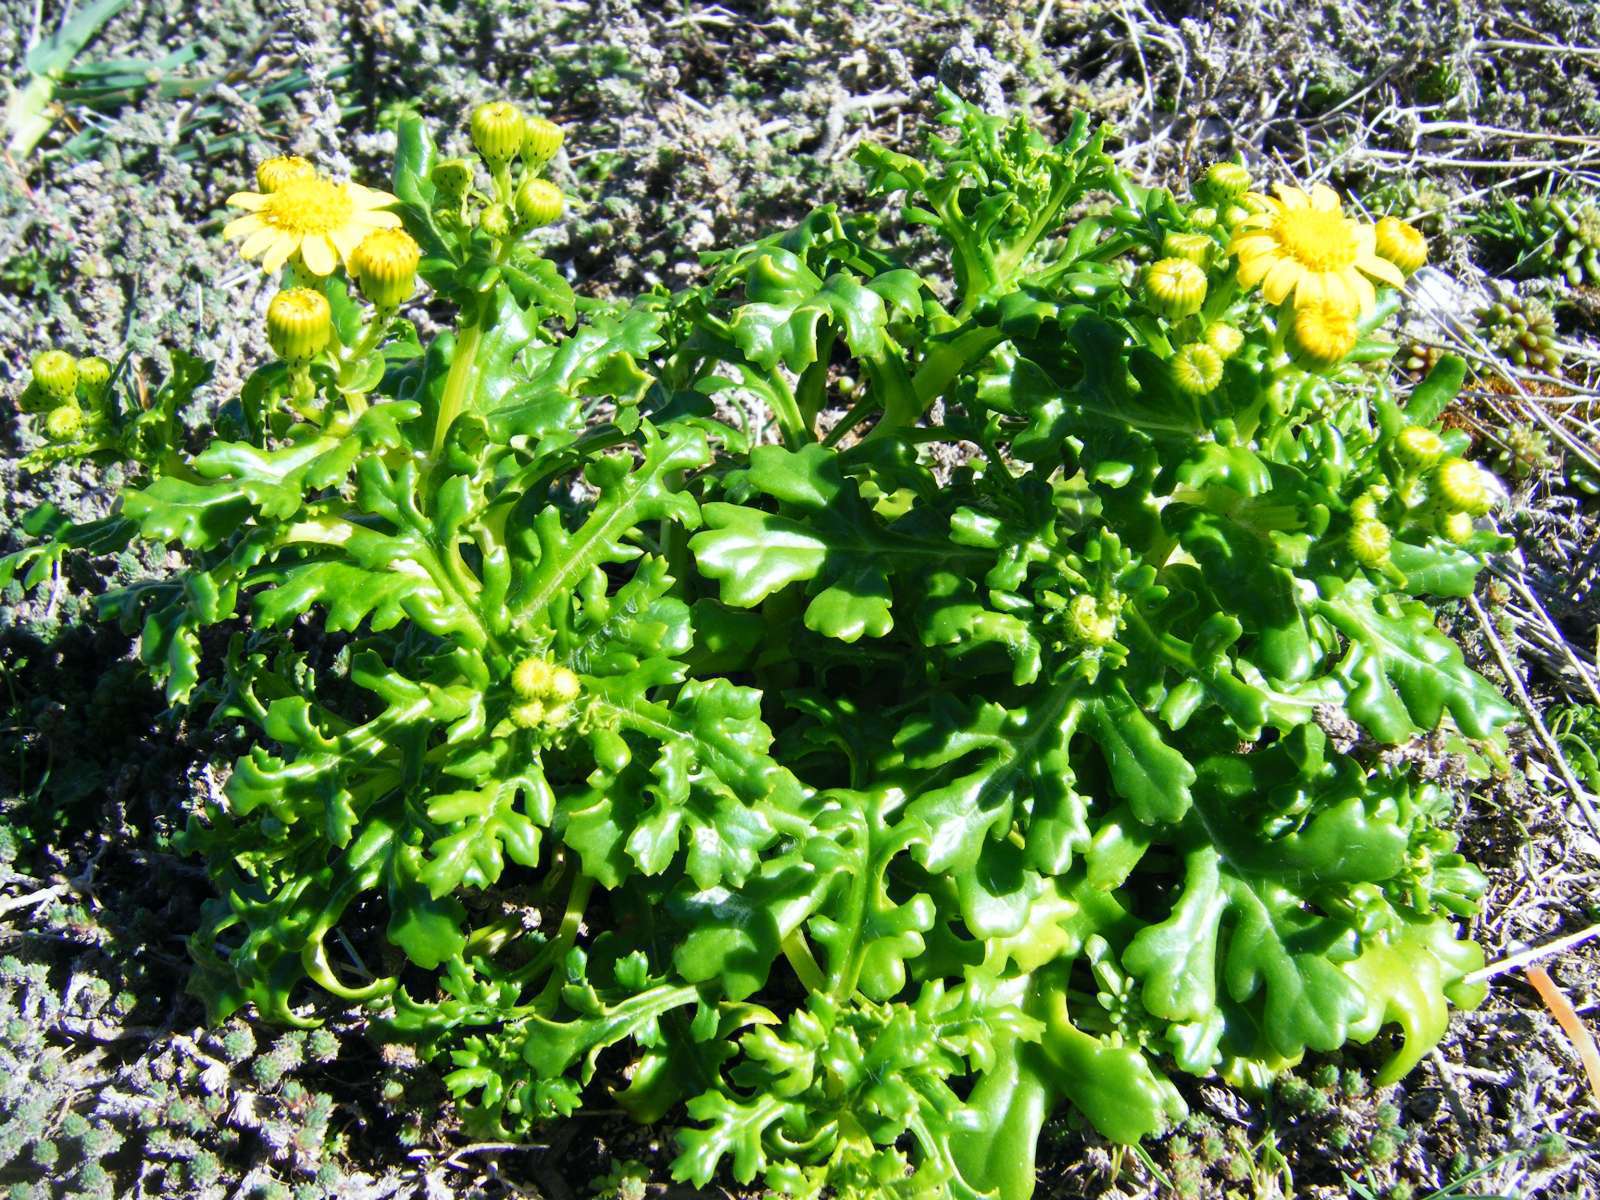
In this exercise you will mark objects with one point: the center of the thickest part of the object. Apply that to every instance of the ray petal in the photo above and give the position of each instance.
(253, 201)
(243, 226)
(1280, 281)
(318, 255)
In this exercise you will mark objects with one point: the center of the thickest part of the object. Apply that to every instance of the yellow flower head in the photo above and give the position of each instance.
(1324, 332)
(320, 221)
(385, 265)
(1401, 243)
(1301, 244)
(299, 324)
(280, 170)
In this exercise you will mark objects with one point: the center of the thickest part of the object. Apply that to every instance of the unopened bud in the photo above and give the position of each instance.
(1225, 339)
(94, 375)
(385, 265)
(1369, 543)
(495, 220)
(532, 678)
(299, 324)
(452, 177)
(497, 129)
(541, 139)
(1225, 181)
(64, 423)
(1418, 447)
(1460, 485)
(1196, 369)
(56, 372)
(276, 173)
(538, 203)
(1174, 287)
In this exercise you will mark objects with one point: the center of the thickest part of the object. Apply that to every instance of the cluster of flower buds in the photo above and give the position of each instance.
(520, 202)
(1432, 489)
(71, 393)
(545, 693)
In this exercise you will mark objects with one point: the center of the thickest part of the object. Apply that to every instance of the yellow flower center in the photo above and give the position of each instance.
(308, 206)
(1319, 241)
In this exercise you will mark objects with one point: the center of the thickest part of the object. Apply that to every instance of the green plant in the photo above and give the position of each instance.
(1553, 236)
(872, 769)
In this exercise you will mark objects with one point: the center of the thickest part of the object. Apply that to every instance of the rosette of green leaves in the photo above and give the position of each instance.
(1005, 736)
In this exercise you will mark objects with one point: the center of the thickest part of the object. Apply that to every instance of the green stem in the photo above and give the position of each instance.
(805, 966)
(948, 360)
(458, 384)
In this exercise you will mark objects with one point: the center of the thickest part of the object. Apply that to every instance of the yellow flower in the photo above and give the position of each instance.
(385, 265)
(1302, 244)
(320, 221)
(1324, 332)
(1401, 243)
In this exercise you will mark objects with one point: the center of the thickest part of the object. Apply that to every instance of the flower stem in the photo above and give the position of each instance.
(458, 384)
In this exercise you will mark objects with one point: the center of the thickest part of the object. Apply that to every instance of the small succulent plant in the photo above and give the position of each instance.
(1521, 329)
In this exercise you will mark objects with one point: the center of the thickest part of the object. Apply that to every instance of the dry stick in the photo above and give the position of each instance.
(1531, 955)
(1571, 1024)
(33, 898)
(1503, 657)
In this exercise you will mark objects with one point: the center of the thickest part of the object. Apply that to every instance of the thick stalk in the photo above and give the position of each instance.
(458, 384)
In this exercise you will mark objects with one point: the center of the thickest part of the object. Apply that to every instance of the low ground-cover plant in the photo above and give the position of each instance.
(869, 711)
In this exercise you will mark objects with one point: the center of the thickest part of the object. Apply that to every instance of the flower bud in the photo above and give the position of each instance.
(274, 174)
(299, 324)
(1323, 333)
(385, 265)
(538, 203)
(1225, 181)
(529, 714)
(532, 676)
(1225, 339)
(56, 372)
(1401, 243)
(1204, 217)
(1369, 543)
(1456, 527)
(495, 220)
(1174, 287)
(1091, 624)
(564, 685)
(540, 141)
(64, 423)
(452, 177)
(1417, 447)
(1365, 506)
(497, 131)
(1196, 369)
(1459, 484)
(94, 375)
(1192, 247)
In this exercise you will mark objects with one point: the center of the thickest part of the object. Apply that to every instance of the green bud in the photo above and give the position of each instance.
(531, 679)
(541, 139)
(495, 220)
(1196, 369)
(452, 177)
(56, 372)
(1456, 527)
(1224, 181)
(1418, 448)
(1091, 624)
(1459, 484)
(94, 376)
(538, 203)
(64, 423)
(1369, 543)
(497, 129)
